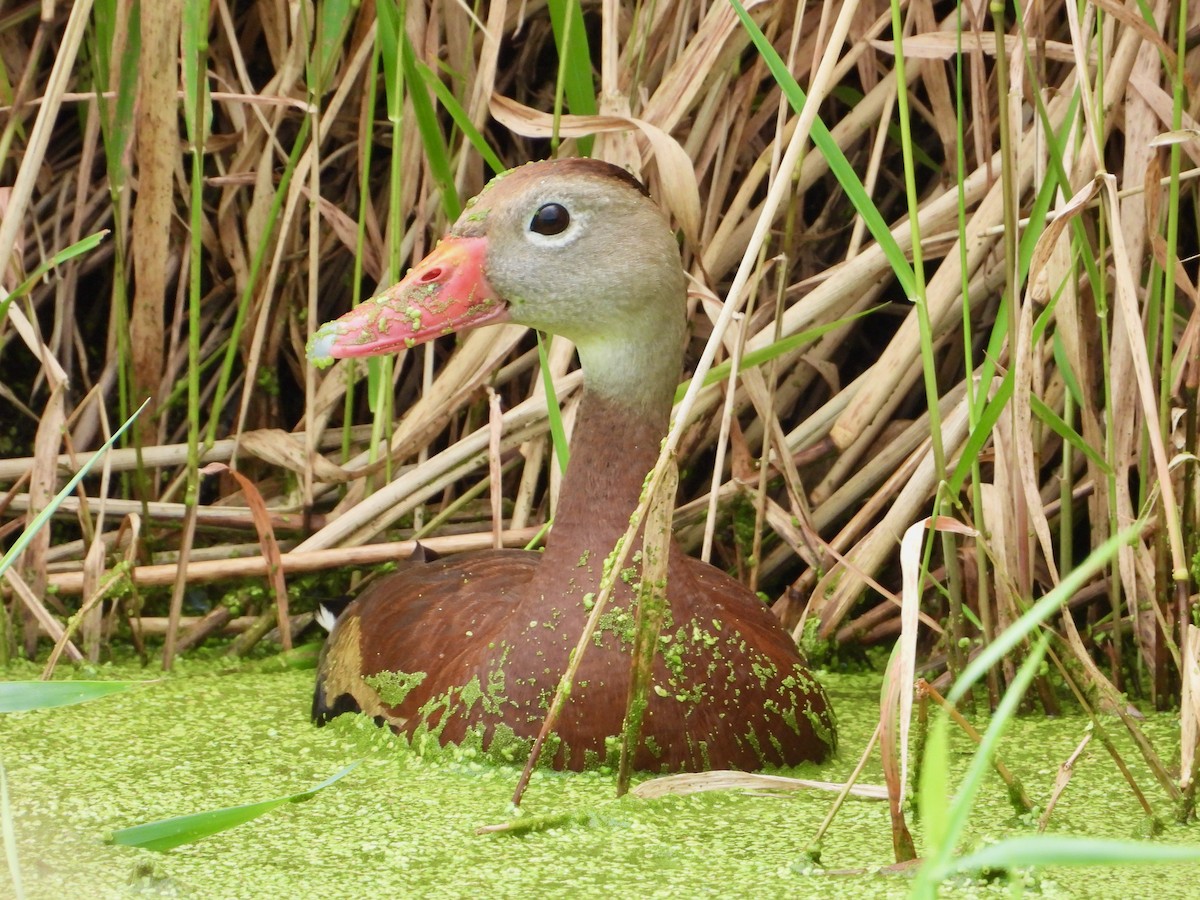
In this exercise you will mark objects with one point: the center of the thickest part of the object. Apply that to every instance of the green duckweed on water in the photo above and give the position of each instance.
(215, 734)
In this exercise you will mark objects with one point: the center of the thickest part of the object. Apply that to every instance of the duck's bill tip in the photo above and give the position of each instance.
(445, 292)
(320, 349)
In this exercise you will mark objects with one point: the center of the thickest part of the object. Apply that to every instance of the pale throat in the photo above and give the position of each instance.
(635, 368)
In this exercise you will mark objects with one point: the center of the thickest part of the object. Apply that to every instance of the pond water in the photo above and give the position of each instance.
(217, 734)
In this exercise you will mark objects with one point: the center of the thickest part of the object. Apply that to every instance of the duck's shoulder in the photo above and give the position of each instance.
(491, 567)
(495, 572)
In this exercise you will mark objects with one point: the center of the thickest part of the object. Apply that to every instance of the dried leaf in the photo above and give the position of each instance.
(946, 44)
(270, 548)
(680, 191)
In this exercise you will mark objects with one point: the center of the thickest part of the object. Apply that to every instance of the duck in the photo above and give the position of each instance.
(468, 649)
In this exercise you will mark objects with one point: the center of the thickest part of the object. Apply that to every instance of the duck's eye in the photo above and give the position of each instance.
(550, 219)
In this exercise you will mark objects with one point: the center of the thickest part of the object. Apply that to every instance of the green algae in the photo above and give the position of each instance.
(619, 622)
(213, 735)
(394, 687)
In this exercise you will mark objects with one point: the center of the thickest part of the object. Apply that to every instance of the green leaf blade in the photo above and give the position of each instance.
(1068, 850)
(167, 834)
(23, 696)
(838, 164)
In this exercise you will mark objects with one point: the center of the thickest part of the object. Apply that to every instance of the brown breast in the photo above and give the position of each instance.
(491, 643)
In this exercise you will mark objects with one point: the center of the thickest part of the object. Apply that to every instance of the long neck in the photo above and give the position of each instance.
(630, 375)
(612, 449)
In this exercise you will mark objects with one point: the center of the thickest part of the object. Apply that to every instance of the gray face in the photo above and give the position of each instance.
(576, 249)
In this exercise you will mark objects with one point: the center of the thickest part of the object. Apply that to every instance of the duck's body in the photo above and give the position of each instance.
(491, 632)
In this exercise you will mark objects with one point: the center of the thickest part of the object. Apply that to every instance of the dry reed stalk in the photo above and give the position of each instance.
(157, 139)
(495, 429)
(1189, 730)
(217, 516)
(1016, 791)
(40, 616)
(200, 628)
(1065, 770)
(725, 780)
(298, 561)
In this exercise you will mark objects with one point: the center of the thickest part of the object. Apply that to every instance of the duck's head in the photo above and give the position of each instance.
(574, 247)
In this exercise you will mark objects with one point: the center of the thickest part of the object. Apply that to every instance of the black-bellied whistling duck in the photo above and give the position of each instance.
(480, 640)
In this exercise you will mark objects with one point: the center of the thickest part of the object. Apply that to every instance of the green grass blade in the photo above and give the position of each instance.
(436, 152)
(576, 56)
(22, 696)
(1066, 850)
(86, 245)
(166, 834)
(43, 517)
(461, 119)
(198, 118)
(765, 354)
(558, 434)
(1066, 371)
(194, 42)
(934, 785)
(838, 164)
(575, 61)
(115, 129)
(985, 421)
(334, 20)
(389, 43)
(1055, 423)
(954, 820)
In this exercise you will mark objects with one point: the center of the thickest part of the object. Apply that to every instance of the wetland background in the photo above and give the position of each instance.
(973, 298)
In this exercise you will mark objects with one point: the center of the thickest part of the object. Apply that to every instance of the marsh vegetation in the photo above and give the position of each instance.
(943, 265)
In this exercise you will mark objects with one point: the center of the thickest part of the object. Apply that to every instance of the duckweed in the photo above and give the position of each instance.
(404, 823)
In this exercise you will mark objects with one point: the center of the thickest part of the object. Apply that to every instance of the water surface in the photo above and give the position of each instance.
(219, 734)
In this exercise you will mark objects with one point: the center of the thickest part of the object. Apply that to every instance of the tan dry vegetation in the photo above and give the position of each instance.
(318, 184)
